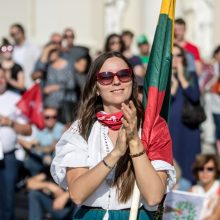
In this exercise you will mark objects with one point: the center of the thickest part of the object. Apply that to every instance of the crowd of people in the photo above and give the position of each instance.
(74, 86)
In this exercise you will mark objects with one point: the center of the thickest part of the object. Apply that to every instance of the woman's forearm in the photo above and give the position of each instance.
(83, 182)
(19, 83)
(151, 184)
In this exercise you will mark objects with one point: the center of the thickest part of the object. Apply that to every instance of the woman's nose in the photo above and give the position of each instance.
(116, 80)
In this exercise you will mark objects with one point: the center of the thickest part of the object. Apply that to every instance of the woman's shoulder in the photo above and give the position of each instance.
(16, 68)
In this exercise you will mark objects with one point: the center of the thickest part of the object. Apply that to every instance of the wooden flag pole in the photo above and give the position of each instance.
(135, 203)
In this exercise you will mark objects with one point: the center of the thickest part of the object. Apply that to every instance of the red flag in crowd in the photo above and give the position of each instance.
(31, 105)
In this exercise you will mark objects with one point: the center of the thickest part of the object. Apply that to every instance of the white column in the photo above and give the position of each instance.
(114, 13)
(150, 11)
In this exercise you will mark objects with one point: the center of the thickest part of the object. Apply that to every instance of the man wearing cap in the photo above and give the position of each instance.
(144, 49)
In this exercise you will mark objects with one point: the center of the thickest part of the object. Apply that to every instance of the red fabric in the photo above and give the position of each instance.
(190, 48)
(113, 121)
(32, 106)
(155, 132)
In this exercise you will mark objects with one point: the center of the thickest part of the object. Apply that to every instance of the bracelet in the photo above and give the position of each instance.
(138, 154)
(110, 167)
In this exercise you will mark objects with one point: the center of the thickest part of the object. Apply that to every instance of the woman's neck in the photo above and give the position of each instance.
(208, 185)
(112, 109)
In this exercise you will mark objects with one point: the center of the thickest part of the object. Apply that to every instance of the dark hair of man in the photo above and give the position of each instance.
(180, 21)
(20, 27)
(128, 33)
(91, 103)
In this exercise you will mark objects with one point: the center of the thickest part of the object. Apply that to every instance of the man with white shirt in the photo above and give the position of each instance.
(12, 123)
(24, 53)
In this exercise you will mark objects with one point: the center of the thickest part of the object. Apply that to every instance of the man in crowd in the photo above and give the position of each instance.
(25, 53)
(179, 38)
(12, 123)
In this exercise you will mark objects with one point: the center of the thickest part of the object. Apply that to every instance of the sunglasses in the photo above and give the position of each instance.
(106, 78)
(114, 42)
(177, 55)
(209, 169)
(13, 34)
(50, 117)
(68, 36)
(8, 48)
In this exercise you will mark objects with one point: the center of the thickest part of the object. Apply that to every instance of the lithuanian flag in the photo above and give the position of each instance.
(155, 133)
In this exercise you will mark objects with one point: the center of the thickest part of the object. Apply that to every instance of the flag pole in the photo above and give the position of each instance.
(167, 8)
(135, 203)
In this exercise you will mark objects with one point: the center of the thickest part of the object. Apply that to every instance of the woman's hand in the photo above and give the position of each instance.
(181, 76)
(174, 85)
(121, 143)
(130, 122)
(51, 88)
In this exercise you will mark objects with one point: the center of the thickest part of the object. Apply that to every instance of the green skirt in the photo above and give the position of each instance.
(98, 214)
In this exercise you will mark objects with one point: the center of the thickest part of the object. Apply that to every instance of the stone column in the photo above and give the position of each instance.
(113, 15)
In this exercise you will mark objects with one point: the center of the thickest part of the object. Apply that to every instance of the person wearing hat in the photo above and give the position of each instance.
(144, 49)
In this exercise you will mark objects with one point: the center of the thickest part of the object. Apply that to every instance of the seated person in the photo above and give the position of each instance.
(206, 171)
(41, 147)
(47, 198)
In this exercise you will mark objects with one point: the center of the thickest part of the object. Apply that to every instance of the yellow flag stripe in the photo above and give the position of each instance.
(168, 8)
(172, 16)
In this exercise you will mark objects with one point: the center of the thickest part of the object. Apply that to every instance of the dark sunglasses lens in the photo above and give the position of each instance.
(105, 78)
(209, 169)
(124, 75)
(50, 117)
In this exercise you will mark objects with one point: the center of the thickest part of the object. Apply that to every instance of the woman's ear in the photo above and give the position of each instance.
(98, 94)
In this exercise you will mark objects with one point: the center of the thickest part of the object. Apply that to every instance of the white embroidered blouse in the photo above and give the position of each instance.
(73, 150)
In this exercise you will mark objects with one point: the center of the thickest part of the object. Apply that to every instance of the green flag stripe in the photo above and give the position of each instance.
(160, 58)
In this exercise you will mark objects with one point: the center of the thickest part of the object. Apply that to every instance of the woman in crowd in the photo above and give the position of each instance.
(186, 139)
(13, 71)
(114, 43)
(206, 171)
(101, 155)
(59, 82)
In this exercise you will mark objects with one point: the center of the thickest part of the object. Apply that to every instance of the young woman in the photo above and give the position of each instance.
(14, 72)
(206, 171)
(184, 137)
(101, 155)
(114, 43)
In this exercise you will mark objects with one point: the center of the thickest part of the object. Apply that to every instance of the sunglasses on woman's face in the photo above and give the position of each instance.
(209, 169)
(8, 48)
(106, 78)
(177, 55)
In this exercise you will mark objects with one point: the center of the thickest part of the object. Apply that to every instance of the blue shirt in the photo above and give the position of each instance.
(47, 137)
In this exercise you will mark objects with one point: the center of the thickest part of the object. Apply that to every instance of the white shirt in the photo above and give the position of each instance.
(74, 151)
(26, 55)
(8, 136)
(211, 198)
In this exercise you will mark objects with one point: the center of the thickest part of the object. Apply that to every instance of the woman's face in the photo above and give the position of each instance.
(6, 52)
(207, 174)
(114, 94)
(115, 44)
(54, 56)
(177, 57)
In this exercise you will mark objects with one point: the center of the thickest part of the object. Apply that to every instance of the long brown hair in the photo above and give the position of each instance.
(91, 103)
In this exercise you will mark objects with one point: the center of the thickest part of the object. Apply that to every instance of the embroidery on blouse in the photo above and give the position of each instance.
(74, 128)
(110, 179)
